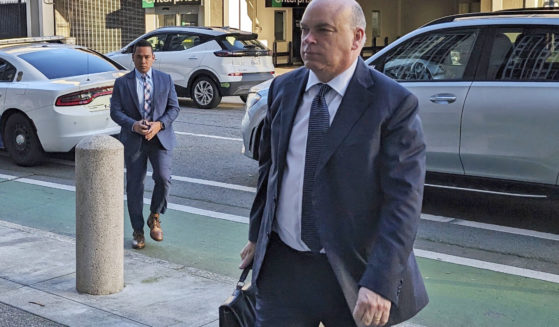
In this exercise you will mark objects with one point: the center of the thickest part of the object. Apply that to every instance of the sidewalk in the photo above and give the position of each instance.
(38, 287)
(37, 279)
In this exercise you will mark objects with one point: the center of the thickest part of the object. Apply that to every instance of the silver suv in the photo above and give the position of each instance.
(488, 90)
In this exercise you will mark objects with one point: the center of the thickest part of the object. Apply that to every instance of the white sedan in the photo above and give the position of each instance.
(52, 96)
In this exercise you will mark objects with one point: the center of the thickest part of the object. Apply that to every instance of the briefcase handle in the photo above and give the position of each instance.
(241, 282)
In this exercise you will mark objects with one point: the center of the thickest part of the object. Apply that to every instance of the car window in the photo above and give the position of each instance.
(67, 62)
(157, 41)
(238, 42)
(182, 41)
(524, 54)
(7, 71)
(431, 56)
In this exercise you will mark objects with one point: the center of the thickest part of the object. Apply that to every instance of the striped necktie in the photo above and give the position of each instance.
(319, 122)
(147, 96)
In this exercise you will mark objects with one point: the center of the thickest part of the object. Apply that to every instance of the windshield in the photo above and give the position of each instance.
(67, 62)
(236, 42)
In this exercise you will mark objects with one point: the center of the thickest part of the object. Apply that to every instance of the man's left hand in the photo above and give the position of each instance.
(371, 308)
(154, 128)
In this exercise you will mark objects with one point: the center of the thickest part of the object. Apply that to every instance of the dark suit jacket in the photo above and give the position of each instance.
(125, 109)
(368, 187)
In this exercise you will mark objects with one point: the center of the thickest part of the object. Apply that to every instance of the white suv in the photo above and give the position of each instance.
(206, 63)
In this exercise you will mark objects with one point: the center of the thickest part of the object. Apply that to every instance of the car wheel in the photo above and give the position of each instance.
(244, 98)
(22, 142)
(205, 93)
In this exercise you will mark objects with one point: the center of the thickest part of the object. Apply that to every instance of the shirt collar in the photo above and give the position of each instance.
(338, 83)
(139, 75)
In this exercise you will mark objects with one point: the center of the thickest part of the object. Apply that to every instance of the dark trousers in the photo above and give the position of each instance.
(298, 289)
(136, 167)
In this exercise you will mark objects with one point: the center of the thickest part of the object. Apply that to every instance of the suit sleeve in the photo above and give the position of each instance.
(264, 164)
(402, 176)
(117, 111)
(172, 109)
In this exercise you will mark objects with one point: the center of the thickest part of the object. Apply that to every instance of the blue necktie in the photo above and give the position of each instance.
(319, 122)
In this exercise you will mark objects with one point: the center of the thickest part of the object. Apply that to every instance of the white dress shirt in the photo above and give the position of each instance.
(288, 220)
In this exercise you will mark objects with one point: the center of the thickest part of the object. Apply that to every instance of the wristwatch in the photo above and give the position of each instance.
(162, 125)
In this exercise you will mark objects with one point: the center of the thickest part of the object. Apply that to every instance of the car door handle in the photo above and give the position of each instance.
(193, 58)
(443, 98)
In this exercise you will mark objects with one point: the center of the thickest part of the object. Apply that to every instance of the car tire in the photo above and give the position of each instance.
(22, 142)
(244, 98)
(205, 93)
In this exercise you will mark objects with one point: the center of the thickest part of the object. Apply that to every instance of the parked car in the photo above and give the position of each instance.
(488, 90)
(206, 63)
(52, 96)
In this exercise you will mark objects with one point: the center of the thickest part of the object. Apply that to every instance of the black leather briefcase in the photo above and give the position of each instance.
(239, 310)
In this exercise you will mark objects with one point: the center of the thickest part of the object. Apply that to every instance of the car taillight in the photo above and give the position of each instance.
(83, 97)
(225, 53)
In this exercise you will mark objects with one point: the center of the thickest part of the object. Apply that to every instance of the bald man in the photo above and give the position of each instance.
(342, 167)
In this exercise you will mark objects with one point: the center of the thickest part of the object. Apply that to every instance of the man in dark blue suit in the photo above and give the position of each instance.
(144, 104)
(342, 167)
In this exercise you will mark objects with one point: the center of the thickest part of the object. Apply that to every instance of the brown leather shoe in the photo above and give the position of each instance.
(154, 224)
(139, 241)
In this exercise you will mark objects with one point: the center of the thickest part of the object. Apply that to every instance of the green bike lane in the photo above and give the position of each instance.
(459, 295)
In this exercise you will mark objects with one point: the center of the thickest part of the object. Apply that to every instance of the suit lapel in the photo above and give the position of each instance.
(293, 94)
(357, 99)
(132, 89)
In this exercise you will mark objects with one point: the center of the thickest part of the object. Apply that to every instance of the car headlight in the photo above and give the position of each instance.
(252, 98)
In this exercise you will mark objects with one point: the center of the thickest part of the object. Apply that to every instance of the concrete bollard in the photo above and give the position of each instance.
(99, 215)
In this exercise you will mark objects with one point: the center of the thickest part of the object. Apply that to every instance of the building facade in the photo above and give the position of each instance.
(277, 21)
(108, 25)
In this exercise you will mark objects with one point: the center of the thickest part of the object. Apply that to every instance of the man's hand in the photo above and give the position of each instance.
(247, 254)
(154, 128)
(141, 127)
(371, 308)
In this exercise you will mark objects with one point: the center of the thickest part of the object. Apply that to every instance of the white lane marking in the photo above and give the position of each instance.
(488, 266)
(440, 219)
(497, 228)
(210, 136)
(210, 183)
(505, 229)
(38, 182)
(420, 253)
(203, 212)
(537, 196)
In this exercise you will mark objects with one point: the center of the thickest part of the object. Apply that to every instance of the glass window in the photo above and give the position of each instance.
(181, 41)
(169, 20)
(524, 54)
(434, 56)
(67, 62)
(157, 41)
(189, 19)
(279, 23)
(7, 71)
(242, 42)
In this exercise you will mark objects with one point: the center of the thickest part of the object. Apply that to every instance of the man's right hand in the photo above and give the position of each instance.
(247, 254)
(140, 127)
